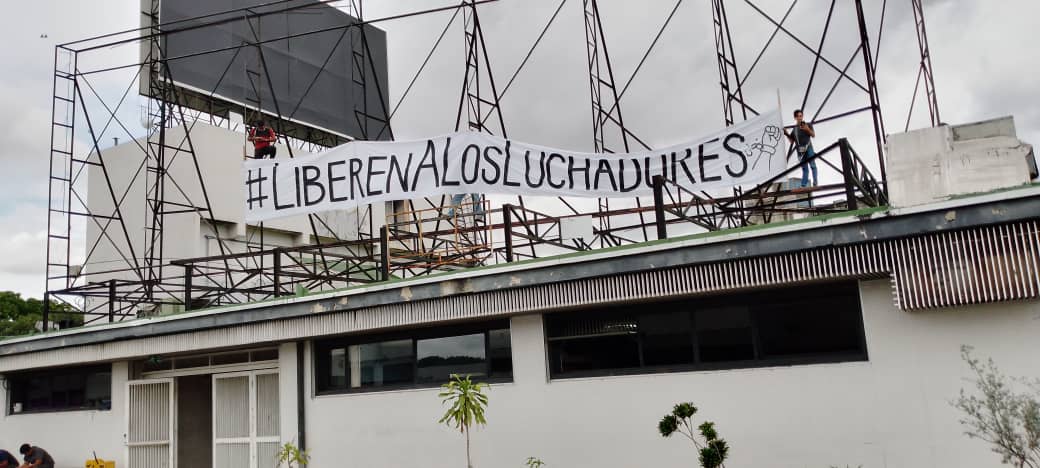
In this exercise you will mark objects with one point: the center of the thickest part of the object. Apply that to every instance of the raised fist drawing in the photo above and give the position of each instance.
(766, 145)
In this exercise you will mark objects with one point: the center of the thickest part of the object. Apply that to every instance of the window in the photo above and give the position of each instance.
(415, 358)
(381, 364)
(438, 358)
(189, 361)
(724, 334)
(797, 325)
(78, 388)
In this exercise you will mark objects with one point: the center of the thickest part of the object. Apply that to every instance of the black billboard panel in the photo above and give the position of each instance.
(334, 80)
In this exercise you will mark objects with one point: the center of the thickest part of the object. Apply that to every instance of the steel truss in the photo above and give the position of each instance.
(924, 73)
(606, 112)
(412, 242)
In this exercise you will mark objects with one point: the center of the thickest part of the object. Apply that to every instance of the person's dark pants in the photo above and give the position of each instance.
(265, 152)
(809, 153)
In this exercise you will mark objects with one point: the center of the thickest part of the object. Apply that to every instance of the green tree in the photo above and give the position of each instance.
(713, 451)
(1002, 411)
(19, 316)
(468, 402)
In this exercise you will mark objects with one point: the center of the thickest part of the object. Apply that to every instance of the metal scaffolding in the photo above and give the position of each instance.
(410, 241)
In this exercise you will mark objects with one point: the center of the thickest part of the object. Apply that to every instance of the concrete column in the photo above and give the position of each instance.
(287, 393)
(528, 340)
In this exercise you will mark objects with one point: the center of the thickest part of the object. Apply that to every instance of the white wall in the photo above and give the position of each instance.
(892, 411)
(219, 153)
(932, 164)
(287, 411)
(72, 437)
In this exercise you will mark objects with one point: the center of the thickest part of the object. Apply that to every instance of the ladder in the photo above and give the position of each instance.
(60, 176)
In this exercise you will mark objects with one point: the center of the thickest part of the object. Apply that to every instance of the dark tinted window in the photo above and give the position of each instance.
(724, 334)
(337, 367)
(666, 338)
(384, 363)
(229, 358)
(264, 355)
(500, 349)
(820, 323)
(61, 389)
(441, 357)
(824, 323)
(590, 342)
(419, 357)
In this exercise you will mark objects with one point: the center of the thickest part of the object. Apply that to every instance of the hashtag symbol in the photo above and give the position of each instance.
(256, 182)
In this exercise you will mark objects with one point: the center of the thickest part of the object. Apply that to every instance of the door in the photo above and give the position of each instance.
(150, 424)
(245, 420)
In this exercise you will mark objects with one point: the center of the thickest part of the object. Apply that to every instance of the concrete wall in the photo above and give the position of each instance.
(891, 411)
(932, 164)
(72, 437)
(288, 415)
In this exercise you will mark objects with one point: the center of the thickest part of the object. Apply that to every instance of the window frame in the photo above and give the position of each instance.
(22, 379)
(321, 355)
(861, 355)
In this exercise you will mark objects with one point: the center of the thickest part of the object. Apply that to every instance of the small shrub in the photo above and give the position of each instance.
(533, 462)
(713, 451)
(292, 456)
(1001, 415)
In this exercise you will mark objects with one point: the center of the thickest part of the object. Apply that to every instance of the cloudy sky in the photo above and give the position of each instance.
(983, 53)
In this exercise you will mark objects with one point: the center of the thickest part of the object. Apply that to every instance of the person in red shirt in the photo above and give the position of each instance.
(263, 139)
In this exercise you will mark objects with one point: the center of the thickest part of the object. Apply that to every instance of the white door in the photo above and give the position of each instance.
(150, 423)
(245, 420)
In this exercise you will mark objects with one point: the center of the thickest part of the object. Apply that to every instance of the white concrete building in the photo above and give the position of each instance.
(187, 233)
(815, 342)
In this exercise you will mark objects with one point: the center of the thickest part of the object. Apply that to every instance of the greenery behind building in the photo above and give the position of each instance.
(18, 316)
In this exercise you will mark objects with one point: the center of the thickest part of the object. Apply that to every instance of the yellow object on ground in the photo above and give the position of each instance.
(100, 464)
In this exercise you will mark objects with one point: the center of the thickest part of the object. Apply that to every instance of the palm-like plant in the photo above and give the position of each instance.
(468, 402)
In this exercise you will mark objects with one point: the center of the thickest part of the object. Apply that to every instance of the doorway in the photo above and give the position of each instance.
(205, 411)
(194, 443)
(246, 423)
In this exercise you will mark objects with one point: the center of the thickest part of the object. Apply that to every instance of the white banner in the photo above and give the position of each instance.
(363, 172)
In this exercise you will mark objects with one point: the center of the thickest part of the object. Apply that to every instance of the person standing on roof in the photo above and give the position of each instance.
(802, 138)
(35, 457)
(263, 139)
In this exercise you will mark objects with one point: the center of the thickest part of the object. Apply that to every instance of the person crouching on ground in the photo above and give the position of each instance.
(35, 457)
